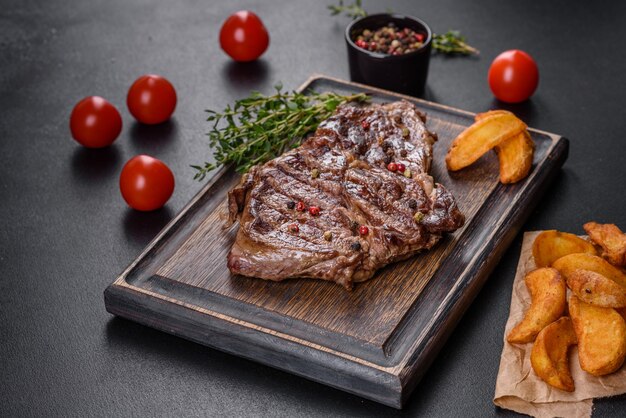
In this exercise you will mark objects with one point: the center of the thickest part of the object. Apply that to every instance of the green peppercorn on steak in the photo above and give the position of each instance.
(351, 199)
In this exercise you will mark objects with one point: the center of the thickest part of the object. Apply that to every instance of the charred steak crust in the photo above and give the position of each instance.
(342, 170)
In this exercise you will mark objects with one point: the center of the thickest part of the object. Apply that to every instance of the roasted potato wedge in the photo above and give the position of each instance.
(597, 290)
(601, 334)
(581, 261)
(549, 354)
(622, 311)
(483, 115)
(611, 239)
(548, 301)
(482, 136)
(515, 154)
(551, 245)
(516, 157)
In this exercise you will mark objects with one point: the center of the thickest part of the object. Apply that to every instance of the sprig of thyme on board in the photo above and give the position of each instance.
(451, 42)
(259, 127)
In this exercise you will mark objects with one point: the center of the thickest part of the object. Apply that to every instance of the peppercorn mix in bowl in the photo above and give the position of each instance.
(389, 51)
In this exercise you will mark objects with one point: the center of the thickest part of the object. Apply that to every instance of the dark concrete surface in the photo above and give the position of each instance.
(65, 232)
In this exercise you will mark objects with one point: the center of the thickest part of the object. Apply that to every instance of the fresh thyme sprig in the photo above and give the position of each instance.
(353, 10)
(451, 42)
(259, 127)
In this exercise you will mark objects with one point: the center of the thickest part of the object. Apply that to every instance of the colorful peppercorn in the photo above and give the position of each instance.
(393, 167)
(390, 40)
(418, 217)
(315, 173)
(356, 246)
(328, 235)
(407, 173)
(300, 207)
(401, 167)
(363, 230)
(294, 228)
(365, 124)
(314, 210)
(291, 204)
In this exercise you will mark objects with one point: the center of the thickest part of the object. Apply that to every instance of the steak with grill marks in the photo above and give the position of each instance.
(342, 170)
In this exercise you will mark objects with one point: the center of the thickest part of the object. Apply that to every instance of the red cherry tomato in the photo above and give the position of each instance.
(244, 37)
(513, 76)
(146, 183)
(95, 123)
(151, 99)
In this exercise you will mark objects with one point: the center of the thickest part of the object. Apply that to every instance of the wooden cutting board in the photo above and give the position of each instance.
(375, 341)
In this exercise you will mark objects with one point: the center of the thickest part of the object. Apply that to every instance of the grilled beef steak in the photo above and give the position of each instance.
(333, 209)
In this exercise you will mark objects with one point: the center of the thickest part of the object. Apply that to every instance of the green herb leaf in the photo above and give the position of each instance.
(258, 128)
(452, 42)
(353, 11)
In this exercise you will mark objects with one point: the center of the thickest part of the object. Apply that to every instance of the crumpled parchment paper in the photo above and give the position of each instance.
(518, 388)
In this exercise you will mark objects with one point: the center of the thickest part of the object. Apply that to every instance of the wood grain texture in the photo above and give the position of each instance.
(392, 324)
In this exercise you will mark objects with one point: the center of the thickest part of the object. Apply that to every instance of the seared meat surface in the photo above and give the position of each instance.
(342, 170)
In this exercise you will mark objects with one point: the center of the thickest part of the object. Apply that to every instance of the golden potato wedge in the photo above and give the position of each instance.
(549, 354)
(597, 290)
(514, 154)
(581, 261)
(516, 157)
(480, 116)
(611, 239)
(482, 136)
(551, 245)
(601, 334)
(548, 302)
(622, 311)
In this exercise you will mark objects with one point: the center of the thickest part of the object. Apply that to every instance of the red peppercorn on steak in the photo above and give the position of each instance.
(351, 199)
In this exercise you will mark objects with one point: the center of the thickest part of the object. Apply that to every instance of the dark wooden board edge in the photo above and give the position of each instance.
(388, 385)
(269, 320)
(244, 340)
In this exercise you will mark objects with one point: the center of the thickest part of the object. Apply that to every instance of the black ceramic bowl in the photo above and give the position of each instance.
(404, 73)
